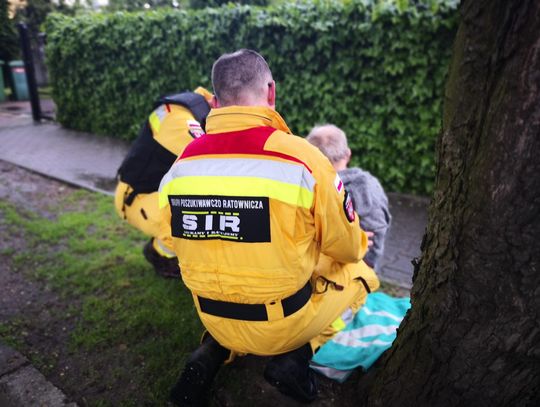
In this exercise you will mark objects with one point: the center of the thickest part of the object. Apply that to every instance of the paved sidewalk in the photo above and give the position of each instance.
(21, 385)
(77, 158)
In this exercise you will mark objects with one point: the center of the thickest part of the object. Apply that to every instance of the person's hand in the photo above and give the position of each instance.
(369, 238)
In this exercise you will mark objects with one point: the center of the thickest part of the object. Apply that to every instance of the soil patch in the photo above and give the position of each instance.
(34, 193)
(37, 312)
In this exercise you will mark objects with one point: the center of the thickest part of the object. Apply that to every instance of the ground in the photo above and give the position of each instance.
(40, 321)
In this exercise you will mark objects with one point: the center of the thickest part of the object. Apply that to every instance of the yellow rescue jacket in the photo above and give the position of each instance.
(251, 208)
(169, 128)
(174, 126)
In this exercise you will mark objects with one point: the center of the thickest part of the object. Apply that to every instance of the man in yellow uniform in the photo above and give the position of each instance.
(251, 209)
(176, 120)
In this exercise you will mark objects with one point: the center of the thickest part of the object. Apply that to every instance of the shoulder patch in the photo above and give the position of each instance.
(348, 207)
(194, 128)
(338, 184)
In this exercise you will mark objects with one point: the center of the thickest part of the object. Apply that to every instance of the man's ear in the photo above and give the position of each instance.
(214, 103)
(349, 153)
(271, 98)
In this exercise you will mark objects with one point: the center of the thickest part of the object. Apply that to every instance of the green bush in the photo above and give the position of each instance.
(9, 41)
(375, 68)
(217, 3)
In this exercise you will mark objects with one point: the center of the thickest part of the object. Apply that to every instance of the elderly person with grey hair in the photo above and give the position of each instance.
(369, 199)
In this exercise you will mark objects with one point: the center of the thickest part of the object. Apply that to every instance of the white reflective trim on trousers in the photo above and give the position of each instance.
(164, 250)
(290, 173)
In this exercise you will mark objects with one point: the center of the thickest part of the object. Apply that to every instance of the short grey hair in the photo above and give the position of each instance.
(331, 140)
(235, 75)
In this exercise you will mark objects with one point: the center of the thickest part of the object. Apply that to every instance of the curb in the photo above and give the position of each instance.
(23, 385)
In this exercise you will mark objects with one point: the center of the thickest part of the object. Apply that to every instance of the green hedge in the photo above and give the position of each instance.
(375, 69)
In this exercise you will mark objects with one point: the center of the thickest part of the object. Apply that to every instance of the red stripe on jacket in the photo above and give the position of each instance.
(250, 141)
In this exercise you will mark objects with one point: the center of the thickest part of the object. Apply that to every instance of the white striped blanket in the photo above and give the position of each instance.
(371, 331)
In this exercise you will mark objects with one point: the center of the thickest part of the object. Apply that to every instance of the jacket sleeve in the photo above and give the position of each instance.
(340, 238)
(165, 214)
(165, 228)
(371, 203)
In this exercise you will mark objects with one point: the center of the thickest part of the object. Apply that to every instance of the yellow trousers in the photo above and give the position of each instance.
(143, 214)
(332, 276)
(312, 323)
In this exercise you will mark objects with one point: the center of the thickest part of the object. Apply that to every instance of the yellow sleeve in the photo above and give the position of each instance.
(174, 131)
(341, 239)
(339, 235)
(204, 93)
(165, 227)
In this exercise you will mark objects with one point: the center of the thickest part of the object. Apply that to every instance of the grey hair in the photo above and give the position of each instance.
(238, 75)
(331, 140)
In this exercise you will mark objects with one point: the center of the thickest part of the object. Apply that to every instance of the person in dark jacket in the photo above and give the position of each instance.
(176, 120)
(369, 199)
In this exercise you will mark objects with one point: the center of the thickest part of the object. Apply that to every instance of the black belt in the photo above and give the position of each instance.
(254, 312)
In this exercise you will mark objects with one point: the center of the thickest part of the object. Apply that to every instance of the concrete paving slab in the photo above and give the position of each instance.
(22, 385)
(409, 220)
(29, 388)
(10, 360)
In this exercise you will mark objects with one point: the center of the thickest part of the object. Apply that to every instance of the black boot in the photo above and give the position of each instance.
(198, 374)
(290, 374)
(164, 266)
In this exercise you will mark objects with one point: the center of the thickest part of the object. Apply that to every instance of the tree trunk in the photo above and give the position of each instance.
(472, 337)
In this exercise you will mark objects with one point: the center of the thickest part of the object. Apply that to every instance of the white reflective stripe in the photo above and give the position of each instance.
(290, 173)
(165, 180)
(156, 118)
(347, 316)
(161, 112)
(164, 251)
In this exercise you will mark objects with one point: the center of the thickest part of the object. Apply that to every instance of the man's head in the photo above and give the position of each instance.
(332, 142)
(243, 78)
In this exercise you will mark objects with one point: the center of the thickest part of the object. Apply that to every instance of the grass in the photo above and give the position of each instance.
(9, 335)
(92, 258)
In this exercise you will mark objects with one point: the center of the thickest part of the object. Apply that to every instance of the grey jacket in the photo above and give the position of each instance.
(371, 204)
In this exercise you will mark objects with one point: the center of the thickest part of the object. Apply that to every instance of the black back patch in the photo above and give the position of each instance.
(239, 219)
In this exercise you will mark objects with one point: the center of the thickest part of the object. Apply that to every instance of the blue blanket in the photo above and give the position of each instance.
(364, 339)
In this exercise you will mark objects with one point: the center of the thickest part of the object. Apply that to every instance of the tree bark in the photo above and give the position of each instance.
(472, 336)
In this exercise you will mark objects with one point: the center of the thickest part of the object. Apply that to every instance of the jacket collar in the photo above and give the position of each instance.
(237, 118)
